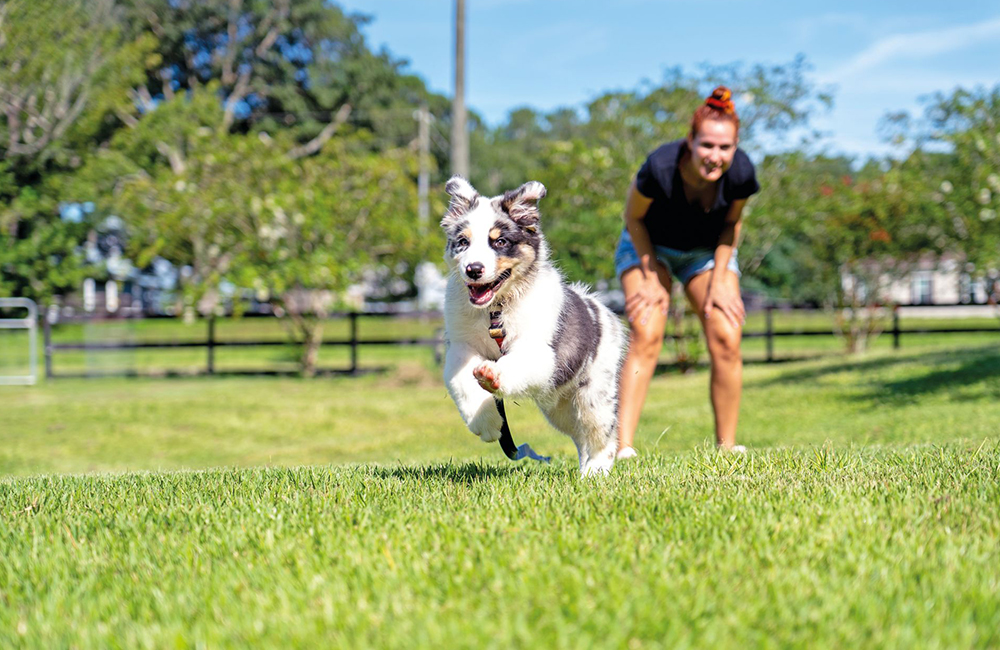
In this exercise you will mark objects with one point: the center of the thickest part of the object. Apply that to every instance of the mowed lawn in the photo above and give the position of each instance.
(359, 512)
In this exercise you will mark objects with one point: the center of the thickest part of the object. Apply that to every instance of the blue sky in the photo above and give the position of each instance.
(878, 56)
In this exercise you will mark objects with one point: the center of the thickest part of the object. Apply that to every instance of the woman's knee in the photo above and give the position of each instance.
(724, 344)
(646, 340)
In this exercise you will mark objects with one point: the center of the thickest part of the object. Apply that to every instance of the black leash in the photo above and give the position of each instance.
(513, 452)
(506, 440)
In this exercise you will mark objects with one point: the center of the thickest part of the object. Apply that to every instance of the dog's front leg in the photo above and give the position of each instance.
(518, 372)
(476, 406)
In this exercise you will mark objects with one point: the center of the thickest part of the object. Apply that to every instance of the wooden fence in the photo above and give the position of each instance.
(355, 342)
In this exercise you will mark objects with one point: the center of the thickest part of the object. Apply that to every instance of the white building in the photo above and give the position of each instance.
(933, 280)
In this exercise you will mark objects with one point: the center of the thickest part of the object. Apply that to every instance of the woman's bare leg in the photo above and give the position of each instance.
(645, 341)
(727, 361)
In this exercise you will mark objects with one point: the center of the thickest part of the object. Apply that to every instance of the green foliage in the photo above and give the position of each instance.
(287, 66)
(827, 234)
(65, 75)
(772, 100)
(42, 255)
(780, 224)
(268, 83)
(969, 187)
(238, 206)
(39, 256)
(334, 216)
(825, 222)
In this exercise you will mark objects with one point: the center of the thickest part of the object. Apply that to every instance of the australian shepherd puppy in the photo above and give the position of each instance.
(560, 346)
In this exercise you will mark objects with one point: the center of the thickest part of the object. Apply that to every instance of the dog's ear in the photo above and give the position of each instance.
(522, 204)
(463, 196)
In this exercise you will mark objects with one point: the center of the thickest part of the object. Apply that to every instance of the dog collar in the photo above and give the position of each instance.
(497, 332)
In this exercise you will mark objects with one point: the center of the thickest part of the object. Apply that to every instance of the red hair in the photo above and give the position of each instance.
(718, 106)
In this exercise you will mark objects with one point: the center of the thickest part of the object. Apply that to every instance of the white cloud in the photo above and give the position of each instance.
(915, 45)
(807, 29)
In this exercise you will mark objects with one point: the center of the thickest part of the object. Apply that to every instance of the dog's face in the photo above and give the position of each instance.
(492, 242)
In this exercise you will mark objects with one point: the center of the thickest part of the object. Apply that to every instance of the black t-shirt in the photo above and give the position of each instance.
(671, 220)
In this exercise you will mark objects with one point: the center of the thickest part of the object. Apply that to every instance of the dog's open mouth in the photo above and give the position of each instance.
(482, 294)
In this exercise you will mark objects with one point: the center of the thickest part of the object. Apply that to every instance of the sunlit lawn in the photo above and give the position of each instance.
(923, 394)
(359, 512)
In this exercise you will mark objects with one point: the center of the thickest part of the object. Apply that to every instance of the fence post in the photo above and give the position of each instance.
(895, 327)
(770, 333)
(354, 342)
(47, 329)
(211, 345)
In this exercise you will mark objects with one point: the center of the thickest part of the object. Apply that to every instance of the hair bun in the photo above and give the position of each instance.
(722, 100)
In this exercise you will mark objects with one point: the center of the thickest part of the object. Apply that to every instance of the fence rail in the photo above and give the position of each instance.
(28, 323)
(212, 343)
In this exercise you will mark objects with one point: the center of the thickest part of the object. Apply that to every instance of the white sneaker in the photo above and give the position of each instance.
(626, 452)
(738, 449)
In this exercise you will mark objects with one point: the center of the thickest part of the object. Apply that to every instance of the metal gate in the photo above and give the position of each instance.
(12, 325)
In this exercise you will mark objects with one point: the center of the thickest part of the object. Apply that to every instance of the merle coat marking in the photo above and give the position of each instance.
(563, 348)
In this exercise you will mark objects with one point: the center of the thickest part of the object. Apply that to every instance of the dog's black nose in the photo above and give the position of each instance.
(474, 270)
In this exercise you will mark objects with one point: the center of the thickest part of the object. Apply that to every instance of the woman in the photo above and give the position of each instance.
(682, 219)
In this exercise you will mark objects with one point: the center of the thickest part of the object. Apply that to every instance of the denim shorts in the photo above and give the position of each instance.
(683, 264)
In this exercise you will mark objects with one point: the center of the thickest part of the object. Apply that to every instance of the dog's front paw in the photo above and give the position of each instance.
(486, 423)
(488, 376)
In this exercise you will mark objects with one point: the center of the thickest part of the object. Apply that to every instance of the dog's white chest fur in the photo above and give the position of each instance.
(562, 347)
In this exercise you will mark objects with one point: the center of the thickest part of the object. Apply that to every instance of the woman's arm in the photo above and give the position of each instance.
(636, 206)
(730, 305)
(652, 294)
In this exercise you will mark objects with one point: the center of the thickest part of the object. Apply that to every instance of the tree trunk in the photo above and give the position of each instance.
(311, 331)
(312, 340)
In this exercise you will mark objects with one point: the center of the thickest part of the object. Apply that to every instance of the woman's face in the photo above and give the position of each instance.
(713, 148)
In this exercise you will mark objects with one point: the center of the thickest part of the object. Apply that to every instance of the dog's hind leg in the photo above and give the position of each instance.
(594, 434)
(596, 406)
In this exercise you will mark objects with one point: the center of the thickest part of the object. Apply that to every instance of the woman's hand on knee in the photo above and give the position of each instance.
(650, 295)
(727, 300)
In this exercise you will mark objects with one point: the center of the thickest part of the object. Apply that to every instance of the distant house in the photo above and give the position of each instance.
(939, 281)
(933, 280)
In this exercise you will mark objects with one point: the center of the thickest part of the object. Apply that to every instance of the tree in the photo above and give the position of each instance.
(776, 254)
(65, 71)
(82, 114)
(243, 208)
(313, 243)
(968, 185)
(867, 233)
(299, 66)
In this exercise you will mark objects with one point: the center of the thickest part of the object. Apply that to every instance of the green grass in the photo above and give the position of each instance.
(78, 425)
(826, 548)
(344, 512)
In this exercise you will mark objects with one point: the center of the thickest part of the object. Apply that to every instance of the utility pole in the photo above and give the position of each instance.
(459, 132)
(423, 114)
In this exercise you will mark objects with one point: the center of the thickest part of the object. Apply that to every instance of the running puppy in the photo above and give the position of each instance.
(559, 346)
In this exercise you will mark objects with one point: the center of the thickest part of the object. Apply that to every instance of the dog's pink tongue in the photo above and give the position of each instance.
(480, 294)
